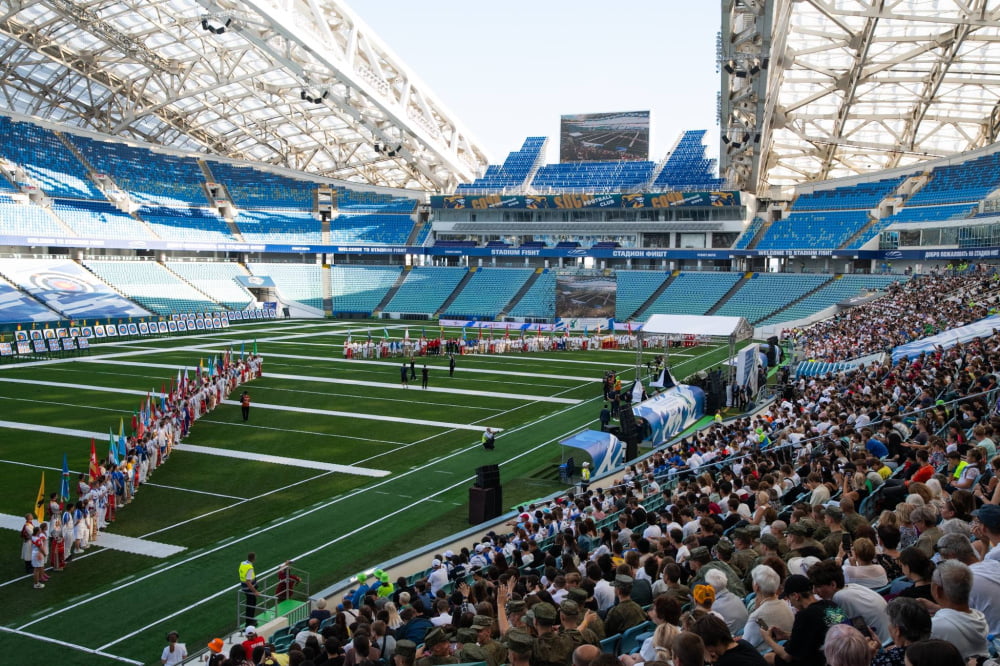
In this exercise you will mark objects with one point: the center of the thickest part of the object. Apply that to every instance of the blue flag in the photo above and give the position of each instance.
(113, 448)
(64, 486)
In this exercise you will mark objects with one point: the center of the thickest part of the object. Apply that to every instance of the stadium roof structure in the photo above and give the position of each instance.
(818, 89)
(303, 84)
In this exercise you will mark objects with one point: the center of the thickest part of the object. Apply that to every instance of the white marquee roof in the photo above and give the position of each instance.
(707, 325)
(302, 84)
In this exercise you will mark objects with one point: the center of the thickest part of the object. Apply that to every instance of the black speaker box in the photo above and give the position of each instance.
(488, 476)
(484, 504)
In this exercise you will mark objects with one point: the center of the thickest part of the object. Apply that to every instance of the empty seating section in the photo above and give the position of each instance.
(99, 219)
(513, 171)
(16, 306)
(692, 293)
(487, 292)
(593, 176)
(28, 220)
(860, 196)
(217, 279)
(46, 159)
(743, 242)
(822, 230)
(371, 228)
(68, 288)
(252, 188)
(539, 300)
(966, 182)
(764, 293)
(297, 282)
(363, 201)
(844, 287)
(933, 213)
(284, 227)
(189, 224)
(687, 168)
(149, 177)
(634, 289)
(359, 289)
(152, 286)
(425, 289)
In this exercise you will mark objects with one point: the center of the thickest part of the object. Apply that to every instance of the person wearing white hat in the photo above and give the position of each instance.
(438, 578)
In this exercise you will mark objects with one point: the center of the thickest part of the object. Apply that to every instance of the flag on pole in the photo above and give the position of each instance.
(406, 333)
(64, 484)
(480, 327)
(346, 343)
(255, 346)
(122, 448)
(243, 345)
(628, 326)
(95, 469)
(506, 332)
(385, 333)
(369, 335)
(113, 449)
(423, 333)
(40, 501)
(538, 330)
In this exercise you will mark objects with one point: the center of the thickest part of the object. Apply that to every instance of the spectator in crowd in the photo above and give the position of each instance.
(859, 567)
(828, 582)
(934, 653)
(813, 617)
(909, 623)
(689, 650)
(846, 646)
(769, 611)
(720, 646)
(955, 621)
(726, 604)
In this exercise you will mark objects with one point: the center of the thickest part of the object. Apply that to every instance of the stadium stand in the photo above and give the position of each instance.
(634, 289)
(191, 224)
(16, 306)
(539, 300)
(513, 172)
(26, 219)
(968, 181)
(149, 177)
(217, 279)
(359, 289)
(819, 230)
(152, 286)
(593, 176)
(933, 213)
(860, 196)
(687, 168)
(68, 288)
(297, 282)
(842, 288)
(371, 228)
(743, 242)
(284, 227)
(425, 289)
(46, 159)
(487, 292)
(99, 219)
(764, 293)
(363, 201)
(692, 293)
(252, 188)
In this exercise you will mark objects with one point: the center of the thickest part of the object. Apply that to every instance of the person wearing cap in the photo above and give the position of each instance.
(745, 555)
(437, 649)
(404, 653)
(481, 557)
(385, 587)
(800, 543)
(813, 617)
(496, 653)
(438, 577)
(550, 648)
(569, 623)
(467, 649)
(519, 648)
(585, 477)
(252, 640)
(987, 529)
(833, 518)
(626, 613)
(583, 597)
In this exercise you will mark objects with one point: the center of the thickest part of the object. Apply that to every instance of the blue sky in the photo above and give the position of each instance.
(509, 69)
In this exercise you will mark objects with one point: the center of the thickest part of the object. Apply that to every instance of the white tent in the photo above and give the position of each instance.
(723, 329)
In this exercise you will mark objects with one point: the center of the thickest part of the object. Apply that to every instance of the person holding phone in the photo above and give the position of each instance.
(813, 618)
(769, 610)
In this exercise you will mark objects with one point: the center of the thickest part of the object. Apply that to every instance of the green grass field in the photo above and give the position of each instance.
(332, 523)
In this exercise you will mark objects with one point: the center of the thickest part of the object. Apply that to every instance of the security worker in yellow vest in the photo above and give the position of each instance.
(585, 477)
(248, 583)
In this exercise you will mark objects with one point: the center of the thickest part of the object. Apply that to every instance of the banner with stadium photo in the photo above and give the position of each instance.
(585, 296)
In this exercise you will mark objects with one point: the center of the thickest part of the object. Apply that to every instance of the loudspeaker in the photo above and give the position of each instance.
(484, 504)
(488, 476)
(631, 450)
(627, 420)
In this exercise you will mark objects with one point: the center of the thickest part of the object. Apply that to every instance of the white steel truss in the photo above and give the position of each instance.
(818, 89)
(303, 84)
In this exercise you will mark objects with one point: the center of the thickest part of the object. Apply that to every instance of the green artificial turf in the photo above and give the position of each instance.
(332, 523)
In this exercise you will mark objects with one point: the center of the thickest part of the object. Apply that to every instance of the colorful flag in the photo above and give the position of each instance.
(348, 339)
(506, 333)
(406, 333)
(385, 333)
(113, 449)
(64, 485)
(242, 348)
(480, 331)
(40, 501)
(122, 448)
(628, 326)
(255, 346)
(95, 468)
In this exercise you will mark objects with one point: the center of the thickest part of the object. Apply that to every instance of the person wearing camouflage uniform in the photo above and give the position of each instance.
(626, 613)
(551, 648)
(437, 649)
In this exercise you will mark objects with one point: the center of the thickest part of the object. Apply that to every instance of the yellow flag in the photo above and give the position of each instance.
(40, 502)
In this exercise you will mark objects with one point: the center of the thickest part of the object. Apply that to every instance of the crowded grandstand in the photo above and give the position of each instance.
(261, 241)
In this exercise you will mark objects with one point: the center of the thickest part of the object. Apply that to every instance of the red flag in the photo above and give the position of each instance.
(95, 468)
(506, 333)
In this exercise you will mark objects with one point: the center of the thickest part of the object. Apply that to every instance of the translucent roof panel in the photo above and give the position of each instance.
(298, 83)
(861, 85)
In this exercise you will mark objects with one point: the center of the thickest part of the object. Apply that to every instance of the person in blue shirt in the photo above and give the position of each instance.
(876, 447)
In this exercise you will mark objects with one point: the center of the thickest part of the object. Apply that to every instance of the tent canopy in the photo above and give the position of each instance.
(736, 328)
